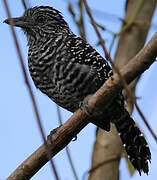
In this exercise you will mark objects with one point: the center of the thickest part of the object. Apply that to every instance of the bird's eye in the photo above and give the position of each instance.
(41, 19)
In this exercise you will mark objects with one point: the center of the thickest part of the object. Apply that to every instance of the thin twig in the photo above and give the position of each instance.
(107, 56)
(81, 19)
(108, 16)
(131, 21)
(112, 42)
(145, 121)
(79, 22)
(67, 148)
(106, 161)
(28, 85)
(25, 4)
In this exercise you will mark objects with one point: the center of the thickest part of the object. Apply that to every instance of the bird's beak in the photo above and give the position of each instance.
(18, 22)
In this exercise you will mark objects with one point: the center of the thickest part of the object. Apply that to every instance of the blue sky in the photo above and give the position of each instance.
(19, 135)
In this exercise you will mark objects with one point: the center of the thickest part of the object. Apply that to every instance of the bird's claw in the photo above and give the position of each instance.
(83, 105)
(49, 137)
(74, 138)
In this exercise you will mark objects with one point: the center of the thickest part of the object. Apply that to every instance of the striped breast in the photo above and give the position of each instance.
(68, 70)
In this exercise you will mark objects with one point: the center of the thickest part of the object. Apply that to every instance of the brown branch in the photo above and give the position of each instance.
(79, 120)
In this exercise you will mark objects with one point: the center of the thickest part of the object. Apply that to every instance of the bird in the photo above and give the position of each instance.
(68, 69)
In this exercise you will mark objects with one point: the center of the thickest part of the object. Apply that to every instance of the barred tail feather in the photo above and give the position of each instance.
(134, 143)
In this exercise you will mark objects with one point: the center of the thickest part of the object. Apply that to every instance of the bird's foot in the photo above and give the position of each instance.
(50, 136)
(83, 105)
(54, 131)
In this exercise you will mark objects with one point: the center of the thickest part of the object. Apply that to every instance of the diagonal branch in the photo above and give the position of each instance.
(79, 119)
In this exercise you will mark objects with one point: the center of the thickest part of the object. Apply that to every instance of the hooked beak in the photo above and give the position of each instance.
(18, 22)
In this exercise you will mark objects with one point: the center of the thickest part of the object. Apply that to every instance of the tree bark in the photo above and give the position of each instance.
(132, 38)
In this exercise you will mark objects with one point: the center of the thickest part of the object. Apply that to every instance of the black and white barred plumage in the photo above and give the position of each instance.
(67, 69)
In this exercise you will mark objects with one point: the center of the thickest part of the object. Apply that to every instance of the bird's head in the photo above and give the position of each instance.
(40, 21)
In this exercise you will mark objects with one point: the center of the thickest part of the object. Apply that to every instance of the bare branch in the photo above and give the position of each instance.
(25, 4)
(145, 121)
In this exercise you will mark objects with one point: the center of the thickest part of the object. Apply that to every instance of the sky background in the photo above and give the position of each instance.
(19, 134)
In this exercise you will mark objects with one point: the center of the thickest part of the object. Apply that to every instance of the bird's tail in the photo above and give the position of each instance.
(134, 142)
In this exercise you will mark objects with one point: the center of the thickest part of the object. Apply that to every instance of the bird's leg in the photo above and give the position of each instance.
(84, 106)
(98, 115)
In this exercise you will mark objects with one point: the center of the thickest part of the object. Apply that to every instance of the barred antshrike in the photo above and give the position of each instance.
(67, 69)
